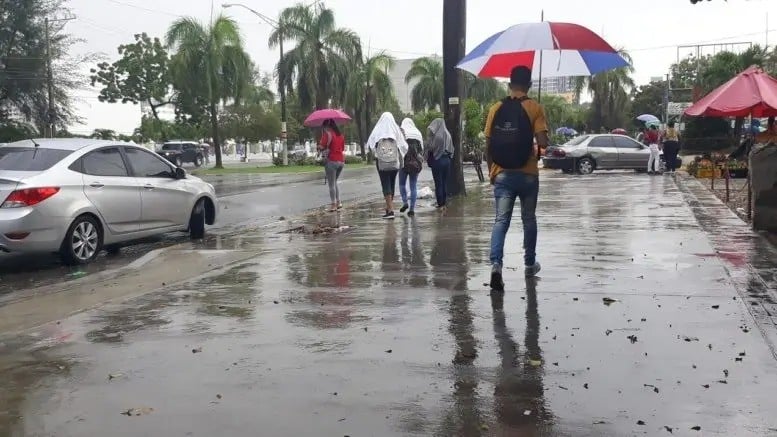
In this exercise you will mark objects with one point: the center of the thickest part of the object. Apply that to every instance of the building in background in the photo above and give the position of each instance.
(555, 85)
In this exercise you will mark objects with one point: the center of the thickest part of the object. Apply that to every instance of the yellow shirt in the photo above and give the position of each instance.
(536, 116)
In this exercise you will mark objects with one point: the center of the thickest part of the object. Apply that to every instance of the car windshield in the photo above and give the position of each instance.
(172, 147)
(30, 158)
(577, 140)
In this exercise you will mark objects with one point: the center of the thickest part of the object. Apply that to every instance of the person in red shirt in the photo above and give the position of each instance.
(332, 146)
(652, 140)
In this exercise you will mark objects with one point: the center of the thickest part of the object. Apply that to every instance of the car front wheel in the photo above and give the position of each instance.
(83, 241)
(585, 166)
(197, 221)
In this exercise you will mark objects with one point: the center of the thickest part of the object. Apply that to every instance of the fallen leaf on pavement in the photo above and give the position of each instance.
(632, 338)
(140, 411)
(608, 301)
(668, 429)
(585, 386)
(115, 375)
(641, 423)
(706, 386)
(696, 428)
(389, 351)
(527, 413)
(535, 363)
(714, 307)
(197, 350)
(218, 396)
(608, 332)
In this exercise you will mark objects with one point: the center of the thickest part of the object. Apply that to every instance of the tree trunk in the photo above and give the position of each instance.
(214, 128)
(454, 40)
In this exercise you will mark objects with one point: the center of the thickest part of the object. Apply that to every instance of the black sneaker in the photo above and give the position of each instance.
(497, 283)
(389, 215)
(403, 209)
(411, 213)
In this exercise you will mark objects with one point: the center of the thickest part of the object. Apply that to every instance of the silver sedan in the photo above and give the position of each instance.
(76, 197)
(587, 153)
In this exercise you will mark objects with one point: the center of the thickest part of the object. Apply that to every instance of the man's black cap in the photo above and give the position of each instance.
(521, 76)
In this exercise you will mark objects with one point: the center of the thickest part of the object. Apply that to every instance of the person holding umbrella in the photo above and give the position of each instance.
(652, 139)
(332, 147)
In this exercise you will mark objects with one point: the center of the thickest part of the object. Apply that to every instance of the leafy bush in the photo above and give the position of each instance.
(353, 159)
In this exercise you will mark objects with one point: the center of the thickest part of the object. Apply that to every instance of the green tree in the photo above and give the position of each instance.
(141, 75)
(23, 84)
(474, 123)
(317, 68)
(210, 66)
(610, 91)
(648, 99)
(369, 87)
(428, 93)
(484, 91)
(251, 122)
(104, 134)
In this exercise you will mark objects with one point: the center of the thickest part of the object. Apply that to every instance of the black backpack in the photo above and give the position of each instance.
(413, 162)
(512, 135)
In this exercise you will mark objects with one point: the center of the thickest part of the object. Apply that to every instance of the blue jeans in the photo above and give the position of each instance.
(507, 186)
(413, 188)
(440, 170)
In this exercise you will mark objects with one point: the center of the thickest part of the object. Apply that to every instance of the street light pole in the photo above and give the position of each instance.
(275, 25)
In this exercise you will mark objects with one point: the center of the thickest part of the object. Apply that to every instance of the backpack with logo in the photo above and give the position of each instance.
(512, 135)
(413, 160)
(387, 155)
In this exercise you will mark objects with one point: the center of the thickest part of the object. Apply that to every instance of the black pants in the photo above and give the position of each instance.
(440, 170)
(388, 181)
(671, 149)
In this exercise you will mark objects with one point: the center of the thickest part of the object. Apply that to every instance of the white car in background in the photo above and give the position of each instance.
(78, 196)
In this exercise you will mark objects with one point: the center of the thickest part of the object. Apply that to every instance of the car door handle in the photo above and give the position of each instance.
(149, 187)
(96, 185)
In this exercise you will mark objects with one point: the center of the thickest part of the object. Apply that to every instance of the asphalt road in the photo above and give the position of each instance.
(245, 201)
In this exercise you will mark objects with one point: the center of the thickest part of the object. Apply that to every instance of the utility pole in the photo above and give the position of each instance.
(49, 131)
(454, 32)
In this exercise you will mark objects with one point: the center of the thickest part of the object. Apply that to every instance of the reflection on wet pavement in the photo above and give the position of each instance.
(387, 329)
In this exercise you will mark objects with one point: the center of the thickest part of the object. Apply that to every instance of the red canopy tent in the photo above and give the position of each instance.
(750, 93)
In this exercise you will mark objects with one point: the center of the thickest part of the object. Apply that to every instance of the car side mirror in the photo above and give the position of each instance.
(180, 173)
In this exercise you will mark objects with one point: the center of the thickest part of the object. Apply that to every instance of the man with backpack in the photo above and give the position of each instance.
(511, 127)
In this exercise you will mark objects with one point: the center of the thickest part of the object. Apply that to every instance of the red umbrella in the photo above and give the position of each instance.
(750, 93)
(317, 118)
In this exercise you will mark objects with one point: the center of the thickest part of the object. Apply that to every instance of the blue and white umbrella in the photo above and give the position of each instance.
(648, 118)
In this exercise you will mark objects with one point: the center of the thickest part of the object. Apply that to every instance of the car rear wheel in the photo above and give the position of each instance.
(197, 221)
(83, 241)
(585, 166)
(198, 161)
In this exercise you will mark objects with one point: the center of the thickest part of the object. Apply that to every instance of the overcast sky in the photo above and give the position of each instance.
(649, 29)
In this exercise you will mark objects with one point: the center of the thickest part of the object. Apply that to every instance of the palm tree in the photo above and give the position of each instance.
(483, 91)
(368, 86)
(211, 62)
(319, 62)
(428, 93)
(610, 92)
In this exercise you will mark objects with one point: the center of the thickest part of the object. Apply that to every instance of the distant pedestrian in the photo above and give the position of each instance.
(412, 166)
(390, 147)
(671, 147)
(332, 149)
(511, 128)
(439, 154)
(652, 139)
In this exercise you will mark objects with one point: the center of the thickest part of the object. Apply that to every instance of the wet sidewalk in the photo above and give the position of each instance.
(653, 314)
